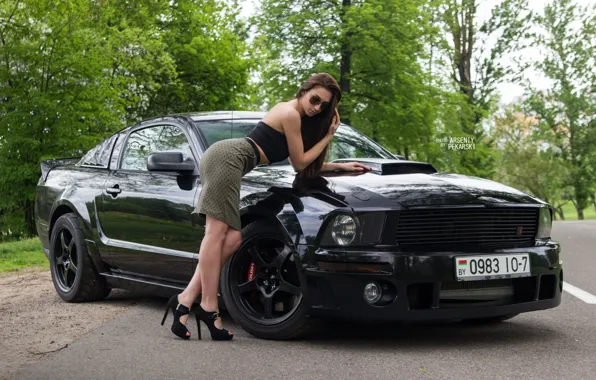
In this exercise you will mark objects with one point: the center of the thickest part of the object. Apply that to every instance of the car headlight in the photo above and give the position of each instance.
(354, 229)
(545, 223)
(343, 229)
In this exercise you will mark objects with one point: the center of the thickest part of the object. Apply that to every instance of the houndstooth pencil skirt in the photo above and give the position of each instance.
(221, 170)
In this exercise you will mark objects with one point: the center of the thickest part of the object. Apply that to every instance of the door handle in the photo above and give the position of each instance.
(113, 190)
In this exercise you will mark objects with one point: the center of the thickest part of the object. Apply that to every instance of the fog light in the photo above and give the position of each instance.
(372, 293)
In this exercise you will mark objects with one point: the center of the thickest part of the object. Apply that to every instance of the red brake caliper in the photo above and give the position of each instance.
(251, 271)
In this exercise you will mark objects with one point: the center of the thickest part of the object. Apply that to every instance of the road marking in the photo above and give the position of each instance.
(581, 294)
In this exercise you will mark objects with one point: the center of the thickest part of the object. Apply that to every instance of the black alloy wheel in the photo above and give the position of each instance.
(264, 281)
(66, 260)
(262, 287)
(74, 276)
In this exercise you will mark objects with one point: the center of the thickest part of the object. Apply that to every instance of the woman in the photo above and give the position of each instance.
(300, 129)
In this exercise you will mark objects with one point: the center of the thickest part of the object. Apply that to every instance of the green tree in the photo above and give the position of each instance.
(566, 111)
(476, 53)
(526, 161)
(207, 41)
(64, 87)
(72, 72)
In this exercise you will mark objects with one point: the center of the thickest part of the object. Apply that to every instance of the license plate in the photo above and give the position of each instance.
(489, 267)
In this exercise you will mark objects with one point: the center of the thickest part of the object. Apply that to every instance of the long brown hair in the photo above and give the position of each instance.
(316, 127)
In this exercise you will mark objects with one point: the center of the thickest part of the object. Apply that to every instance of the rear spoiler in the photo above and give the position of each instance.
(48, 165)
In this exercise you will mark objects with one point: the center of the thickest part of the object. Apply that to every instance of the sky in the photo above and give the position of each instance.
(509, 92)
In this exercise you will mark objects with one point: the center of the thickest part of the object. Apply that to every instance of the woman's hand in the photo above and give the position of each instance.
(353, 167)
(334, 125)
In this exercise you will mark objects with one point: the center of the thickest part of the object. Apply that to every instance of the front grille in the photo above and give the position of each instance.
(456, 294)
(476, 291)
(476, 227)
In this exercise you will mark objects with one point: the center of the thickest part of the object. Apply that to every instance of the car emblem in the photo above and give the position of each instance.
(520, 230)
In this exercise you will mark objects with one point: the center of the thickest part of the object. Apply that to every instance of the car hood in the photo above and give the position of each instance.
(373, 189)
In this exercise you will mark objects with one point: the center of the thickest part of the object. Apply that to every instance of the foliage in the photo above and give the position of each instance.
(566, 111)
(207, 42)
(75, 71)
(478, 66)
(526, 162)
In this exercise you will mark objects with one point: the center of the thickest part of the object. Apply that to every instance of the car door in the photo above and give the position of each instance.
(146, 217)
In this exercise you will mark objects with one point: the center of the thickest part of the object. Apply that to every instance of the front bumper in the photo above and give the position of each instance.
(418, 284)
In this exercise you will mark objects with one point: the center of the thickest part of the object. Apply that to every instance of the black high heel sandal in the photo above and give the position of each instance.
(209, 319)
(178, 310)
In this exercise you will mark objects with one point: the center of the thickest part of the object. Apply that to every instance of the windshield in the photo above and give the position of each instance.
(347, 142)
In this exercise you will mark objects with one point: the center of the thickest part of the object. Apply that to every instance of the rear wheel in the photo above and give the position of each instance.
(73, 273)
(262, 287)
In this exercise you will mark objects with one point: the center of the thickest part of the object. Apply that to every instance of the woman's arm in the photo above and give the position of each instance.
(330, 166)
(345, 166)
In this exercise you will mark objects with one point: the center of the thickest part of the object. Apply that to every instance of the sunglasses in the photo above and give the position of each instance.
(315, 100)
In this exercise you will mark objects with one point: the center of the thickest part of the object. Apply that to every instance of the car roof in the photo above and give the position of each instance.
(199, 116)
(223, 115)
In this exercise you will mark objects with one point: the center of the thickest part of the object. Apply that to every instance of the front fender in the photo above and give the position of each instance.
(274, 205)
(300, 216)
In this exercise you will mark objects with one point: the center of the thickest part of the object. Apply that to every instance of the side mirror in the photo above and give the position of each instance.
(169, 162)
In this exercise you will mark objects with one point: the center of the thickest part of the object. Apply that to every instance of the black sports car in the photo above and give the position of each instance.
(402, 242)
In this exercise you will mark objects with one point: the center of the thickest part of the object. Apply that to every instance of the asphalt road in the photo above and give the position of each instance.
(552, 344)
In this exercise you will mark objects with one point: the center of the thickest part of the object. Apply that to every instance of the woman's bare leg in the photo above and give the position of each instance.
(210, 256)
(231, 245)
(193, 289)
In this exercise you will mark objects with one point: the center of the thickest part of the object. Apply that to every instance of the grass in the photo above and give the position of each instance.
(17, 255)
(571, 213)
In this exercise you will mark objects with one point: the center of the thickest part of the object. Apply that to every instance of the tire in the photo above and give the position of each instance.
(267, 239)
(73, 273)
(490, 320)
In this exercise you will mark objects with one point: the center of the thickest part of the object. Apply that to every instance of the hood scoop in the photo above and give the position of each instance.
(391, 167)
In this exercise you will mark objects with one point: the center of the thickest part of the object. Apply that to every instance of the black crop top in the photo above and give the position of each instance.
(273, 142)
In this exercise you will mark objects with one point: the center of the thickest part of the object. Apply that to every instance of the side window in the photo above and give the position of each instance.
(143, 142)
(99, 156)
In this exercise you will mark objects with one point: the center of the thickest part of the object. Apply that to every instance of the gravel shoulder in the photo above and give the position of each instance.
(35, 322)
